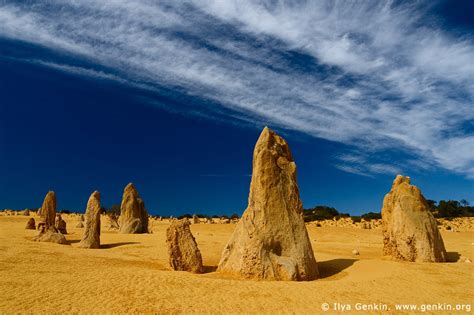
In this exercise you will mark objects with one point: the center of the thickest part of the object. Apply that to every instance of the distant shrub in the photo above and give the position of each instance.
(186, 215)
(342, 215)
(319, 213)
(372, 216)
(115, 209)
(65, 211)
(356, 219)
(450, 208)
(234, 216)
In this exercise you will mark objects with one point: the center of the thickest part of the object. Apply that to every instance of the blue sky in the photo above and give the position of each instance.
(172, 96)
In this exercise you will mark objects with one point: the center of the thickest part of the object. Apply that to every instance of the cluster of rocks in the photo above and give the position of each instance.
(465, 224)
(270, 241)
(197, 220)
(10, 212)
(52, 227)
(375, 224)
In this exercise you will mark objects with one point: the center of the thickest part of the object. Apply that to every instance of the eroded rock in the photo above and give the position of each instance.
(410, 232)
(184, 254)
(271, 241)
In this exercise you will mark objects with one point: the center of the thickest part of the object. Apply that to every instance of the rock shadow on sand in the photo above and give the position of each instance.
(333, 267)
(69, 242)
(209, 269)
(452, 257)
(105, 246)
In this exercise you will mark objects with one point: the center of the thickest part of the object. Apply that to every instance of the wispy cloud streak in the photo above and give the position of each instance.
(368, 74)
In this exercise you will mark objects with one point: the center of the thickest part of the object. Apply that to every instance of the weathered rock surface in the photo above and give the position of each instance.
(133, 216)
(61, 224)
(47, 212)
(46, 227)
(184, 254)
(31, 224)
(80, 225)
(410, 232)
(271, 241)
(51, 236)
(113, 220)
(91, 237)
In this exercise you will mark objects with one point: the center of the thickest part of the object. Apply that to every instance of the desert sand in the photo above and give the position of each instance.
(130, 274)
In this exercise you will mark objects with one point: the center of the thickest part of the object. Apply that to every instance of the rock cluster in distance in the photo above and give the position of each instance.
(271, 241)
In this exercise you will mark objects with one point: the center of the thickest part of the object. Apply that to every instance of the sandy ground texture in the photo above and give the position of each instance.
(130, 274)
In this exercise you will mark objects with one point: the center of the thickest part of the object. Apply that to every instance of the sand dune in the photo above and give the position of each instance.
(129, 274)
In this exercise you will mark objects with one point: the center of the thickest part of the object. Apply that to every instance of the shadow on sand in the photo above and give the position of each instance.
(117, 244)
(208, 269)
(69, 242)
(332, 267)
(452, 256)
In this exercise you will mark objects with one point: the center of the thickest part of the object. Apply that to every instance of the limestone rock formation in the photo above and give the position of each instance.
(31, 224)
(271, 241)
(60, 224)
(410, 232)
(133, 216)
(51, 236)
(91, 237)
(46, 227)
(184, 254)
(195, 219)
(47, 212)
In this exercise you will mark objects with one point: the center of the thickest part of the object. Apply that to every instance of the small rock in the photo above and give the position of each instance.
(60, 224)
(355, 252)
(31, 225)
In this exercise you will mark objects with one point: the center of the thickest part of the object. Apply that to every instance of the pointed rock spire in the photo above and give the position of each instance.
(133, 216)
(271, 241)
(91, 238)
(46, 227)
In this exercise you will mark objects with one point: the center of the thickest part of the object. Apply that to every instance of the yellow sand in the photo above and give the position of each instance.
(130, 274)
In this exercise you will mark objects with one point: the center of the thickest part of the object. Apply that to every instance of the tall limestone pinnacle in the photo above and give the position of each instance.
(271, 241)
(91, 237)
(47, 212)
(410, 232)
(47, 230)
(133, 216)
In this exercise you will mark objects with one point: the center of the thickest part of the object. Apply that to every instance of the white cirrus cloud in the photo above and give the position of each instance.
(370, 74)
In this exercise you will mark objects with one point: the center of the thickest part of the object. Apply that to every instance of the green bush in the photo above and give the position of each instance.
(371, 216)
